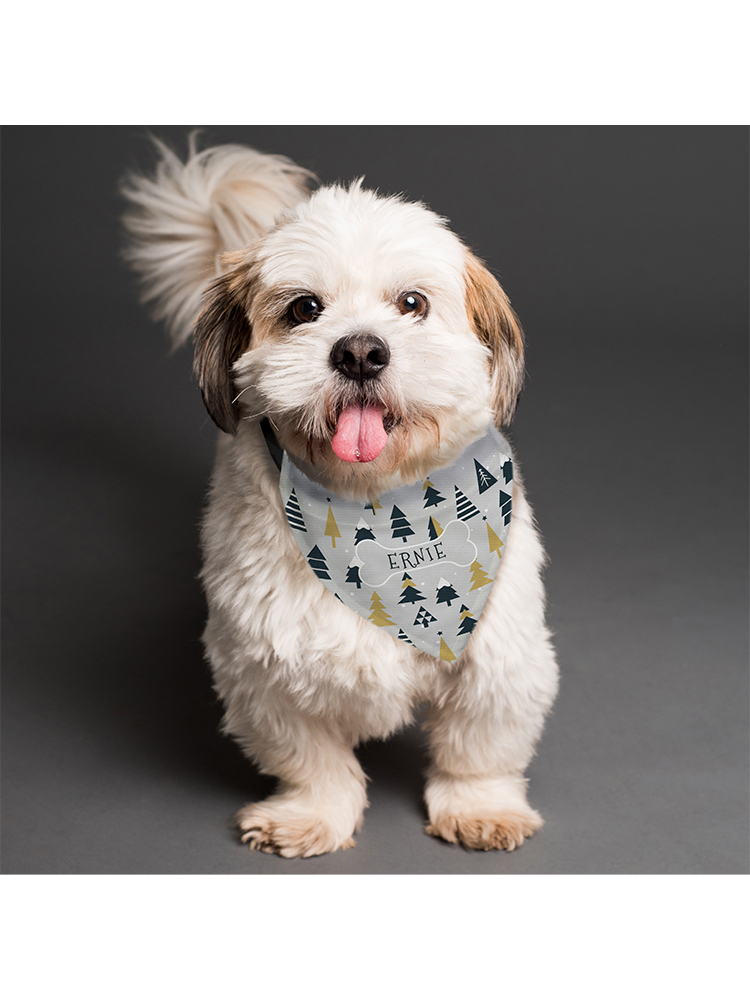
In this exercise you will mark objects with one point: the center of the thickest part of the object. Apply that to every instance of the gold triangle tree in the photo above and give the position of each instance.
(332, 529)
(494, 541)
(478, 576)
(379, 616)
(446, 653)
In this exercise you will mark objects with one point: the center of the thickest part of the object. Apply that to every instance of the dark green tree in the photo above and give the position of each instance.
(399, 524)
(446, 593)
(318, 563)
(485, 479)
(432, 496)
(293, 513)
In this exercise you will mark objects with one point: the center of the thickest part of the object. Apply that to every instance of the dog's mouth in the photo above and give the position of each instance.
(361, 432)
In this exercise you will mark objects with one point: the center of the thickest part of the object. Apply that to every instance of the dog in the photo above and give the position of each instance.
(350, 342)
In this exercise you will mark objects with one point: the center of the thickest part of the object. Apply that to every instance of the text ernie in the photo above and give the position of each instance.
(425, 554)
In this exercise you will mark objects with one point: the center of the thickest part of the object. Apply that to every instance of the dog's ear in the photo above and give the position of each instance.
(221, 335)
(498, 327)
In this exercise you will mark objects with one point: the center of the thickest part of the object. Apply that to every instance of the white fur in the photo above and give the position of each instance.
(302, 678)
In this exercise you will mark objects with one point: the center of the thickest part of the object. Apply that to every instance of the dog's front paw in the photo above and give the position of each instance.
(503, 831)
(276, 826)
(483, 814)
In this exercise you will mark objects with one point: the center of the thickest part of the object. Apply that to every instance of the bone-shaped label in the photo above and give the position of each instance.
(452, 547)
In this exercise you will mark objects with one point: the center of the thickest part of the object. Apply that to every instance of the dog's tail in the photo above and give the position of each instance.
(189, 213)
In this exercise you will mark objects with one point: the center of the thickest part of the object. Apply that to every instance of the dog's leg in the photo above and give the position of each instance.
(321, 796)
(482, 733)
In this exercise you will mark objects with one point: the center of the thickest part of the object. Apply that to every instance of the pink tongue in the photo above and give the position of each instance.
(360, 435)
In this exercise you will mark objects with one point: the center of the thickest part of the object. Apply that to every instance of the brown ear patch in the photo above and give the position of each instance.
(221, 335)
(498, 327)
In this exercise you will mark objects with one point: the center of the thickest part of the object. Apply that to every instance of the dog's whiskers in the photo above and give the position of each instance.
(251, 386)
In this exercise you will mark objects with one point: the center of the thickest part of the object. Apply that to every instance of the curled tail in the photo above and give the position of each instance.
(185, 216)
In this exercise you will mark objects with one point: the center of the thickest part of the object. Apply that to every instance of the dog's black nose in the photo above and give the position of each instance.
(360, 356)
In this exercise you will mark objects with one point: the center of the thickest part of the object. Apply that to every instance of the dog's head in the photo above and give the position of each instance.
(377, 345)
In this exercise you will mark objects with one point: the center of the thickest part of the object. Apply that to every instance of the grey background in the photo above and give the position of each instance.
(624, 250)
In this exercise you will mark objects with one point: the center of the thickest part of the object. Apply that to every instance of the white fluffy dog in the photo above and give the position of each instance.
(378, 348)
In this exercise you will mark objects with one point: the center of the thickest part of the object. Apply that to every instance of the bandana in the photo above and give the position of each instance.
(417, 561)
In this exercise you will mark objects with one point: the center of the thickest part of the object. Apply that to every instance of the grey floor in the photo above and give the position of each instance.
(625, 252)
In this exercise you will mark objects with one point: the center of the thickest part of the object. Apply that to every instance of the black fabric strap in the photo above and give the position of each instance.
(275, 449)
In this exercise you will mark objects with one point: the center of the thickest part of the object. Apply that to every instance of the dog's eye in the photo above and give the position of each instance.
(412, 304)
(305, 309)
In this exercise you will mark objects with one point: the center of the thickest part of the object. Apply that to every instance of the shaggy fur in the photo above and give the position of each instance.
(302, 678)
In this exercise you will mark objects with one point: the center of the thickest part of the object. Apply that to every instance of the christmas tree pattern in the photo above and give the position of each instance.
(424, 618)
(399, 525)
(445, 593)
(478, 576)
(468, 621)
(404, 636)
(352, 576)
(379, 615)
(485, 479)
(332, 529)
(317, 563)
(508, 471)
(446, 653)
(374, 505)
(293, 513)
(432, 496)
(434, 529)
(494, 542)
(465, 509)
(363, 531)
(410, 593)
(506, 504)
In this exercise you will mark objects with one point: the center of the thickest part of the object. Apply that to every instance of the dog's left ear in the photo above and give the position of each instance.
(498, 327)
(221, 334)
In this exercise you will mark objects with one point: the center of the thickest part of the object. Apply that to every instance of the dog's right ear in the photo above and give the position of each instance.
(221, 335)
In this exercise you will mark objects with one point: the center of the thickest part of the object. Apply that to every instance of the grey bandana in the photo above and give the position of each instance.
(418, 561)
